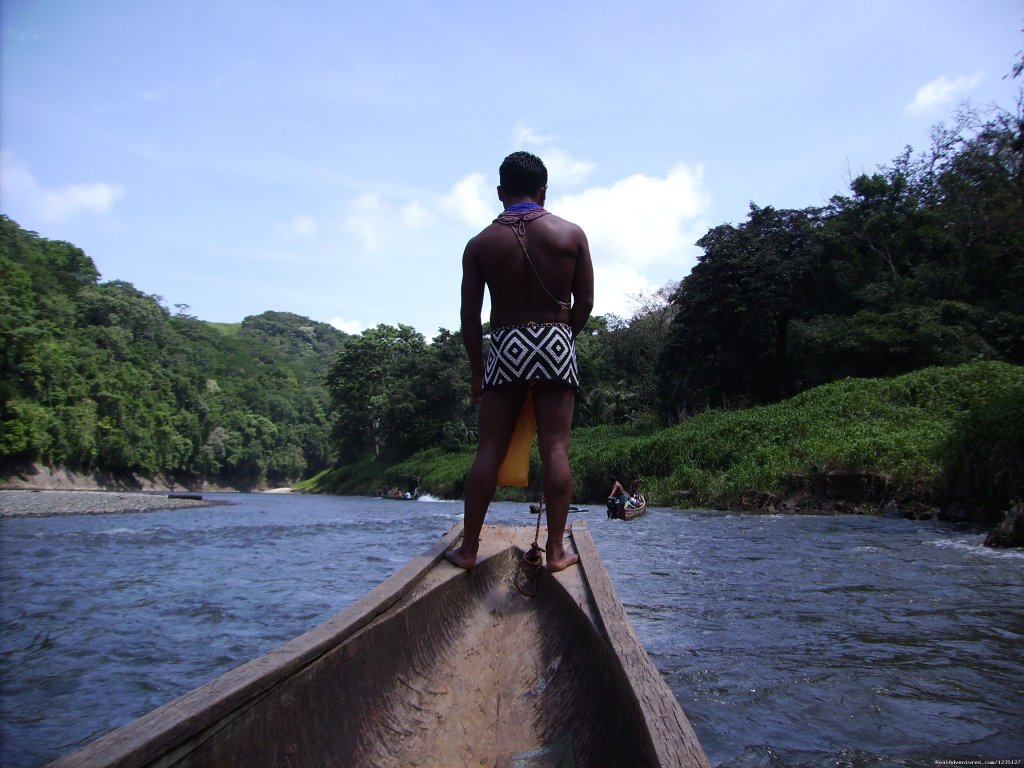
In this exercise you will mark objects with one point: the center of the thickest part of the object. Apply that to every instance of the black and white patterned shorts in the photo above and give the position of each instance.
(533, 352)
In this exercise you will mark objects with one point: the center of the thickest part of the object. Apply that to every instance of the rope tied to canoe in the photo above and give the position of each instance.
(526, 575)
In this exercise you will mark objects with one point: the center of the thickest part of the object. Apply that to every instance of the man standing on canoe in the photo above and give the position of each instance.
(537, 269)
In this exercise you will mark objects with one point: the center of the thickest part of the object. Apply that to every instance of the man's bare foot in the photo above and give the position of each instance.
(460, 558)
(560, 561)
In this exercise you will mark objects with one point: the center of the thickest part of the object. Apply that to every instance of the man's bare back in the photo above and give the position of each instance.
(560, 254)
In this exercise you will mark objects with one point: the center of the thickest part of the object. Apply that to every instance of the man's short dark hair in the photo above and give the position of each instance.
(522, 174)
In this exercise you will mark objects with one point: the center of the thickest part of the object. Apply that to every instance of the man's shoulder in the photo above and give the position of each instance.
(561, 225)
(496, 231)
(554, 218)
(485, 239)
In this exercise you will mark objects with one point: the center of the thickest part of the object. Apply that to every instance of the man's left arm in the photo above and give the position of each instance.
(473, 285)
(582, 287)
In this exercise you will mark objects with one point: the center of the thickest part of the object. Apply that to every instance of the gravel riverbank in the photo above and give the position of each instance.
(50, 503)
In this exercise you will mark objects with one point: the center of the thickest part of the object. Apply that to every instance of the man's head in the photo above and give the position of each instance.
(522, 174)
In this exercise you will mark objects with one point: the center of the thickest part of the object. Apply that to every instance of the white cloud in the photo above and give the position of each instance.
(615, 286)
(641, 220)
(467, 200)
(940, 92)
(19, 187)
(564, 171)
(300, 225)
(348, 326)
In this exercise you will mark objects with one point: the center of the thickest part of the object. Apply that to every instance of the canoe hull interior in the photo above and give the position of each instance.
(462, 669)
(474, 675)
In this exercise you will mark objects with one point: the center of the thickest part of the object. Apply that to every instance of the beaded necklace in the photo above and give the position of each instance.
(522, 207)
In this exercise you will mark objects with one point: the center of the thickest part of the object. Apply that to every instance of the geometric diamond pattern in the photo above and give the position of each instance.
(531, 352)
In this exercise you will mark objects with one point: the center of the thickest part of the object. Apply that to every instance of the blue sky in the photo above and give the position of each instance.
(332, 158)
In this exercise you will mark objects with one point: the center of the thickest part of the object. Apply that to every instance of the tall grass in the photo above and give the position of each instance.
(928, 434)
(919, 432)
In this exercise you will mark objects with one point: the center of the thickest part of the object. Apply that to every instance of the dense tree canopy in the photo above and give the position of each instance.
(920, 265)
(730, 335)
(393, 394)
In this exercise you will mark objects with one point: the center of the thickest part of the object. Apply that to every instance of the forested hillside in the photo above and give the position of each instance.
(97, 376)
(921, 265)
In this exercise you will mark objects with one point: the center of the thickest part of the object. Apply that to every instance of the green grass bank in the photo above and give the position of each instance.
(940, 441)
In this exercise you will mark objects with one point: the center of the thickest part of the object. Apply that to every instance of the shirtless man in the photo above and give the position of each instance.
(537, 269)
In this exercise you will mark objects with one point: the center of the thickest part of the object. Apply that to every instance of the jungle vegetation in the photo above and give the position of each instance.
(786, 350)
(97, 377)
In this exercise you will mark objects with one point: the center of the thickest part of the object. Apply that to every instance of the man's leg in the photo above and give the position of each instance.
(499, 409)
(553, 404)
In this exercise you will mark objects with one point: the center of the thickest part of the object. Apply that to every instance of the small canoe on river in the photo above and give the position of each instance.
(505, 665)
(536, 509)
(619, 510)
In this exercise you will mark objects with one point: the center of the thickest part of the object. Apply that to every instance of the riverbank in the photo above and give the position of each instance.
(944, 443)
(38, 503)
(37, 477)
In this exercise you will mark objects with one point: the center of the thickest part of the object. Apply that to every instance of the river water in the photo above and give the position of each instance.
(788, 640)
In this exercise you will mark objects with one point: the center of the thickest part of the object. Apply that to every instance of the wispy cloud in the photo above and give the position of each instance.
(638, 226)
(389, 225)
(414, 215)
(563, 169)
(468, 202)
(566, 171)
(155, 94)
(367, 218)
(523, 135)
(298, 226)
(940, 92)
(20, 189)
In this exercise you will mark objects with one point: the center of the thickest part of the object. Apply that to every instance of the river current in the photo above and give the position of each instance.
(789, 640)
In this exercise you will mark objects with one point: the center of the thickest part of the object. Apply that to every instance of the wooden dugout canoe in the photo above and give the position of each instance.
(619, 511)
(436, 667)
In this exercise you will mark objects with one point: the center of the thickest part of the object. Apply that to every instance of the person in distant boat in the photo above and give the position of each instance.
(635, 499)
(538, 272)
(617, 492)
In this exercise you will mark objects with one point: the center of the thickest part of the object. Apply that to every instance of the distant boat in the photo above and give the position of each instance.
(189, 496)
(506, 665)
(399, 496)
(536, 509)
(619, 510)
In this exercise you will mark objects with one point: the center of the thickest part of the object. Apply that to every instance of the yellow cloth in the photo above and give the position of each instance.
(515, 469)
